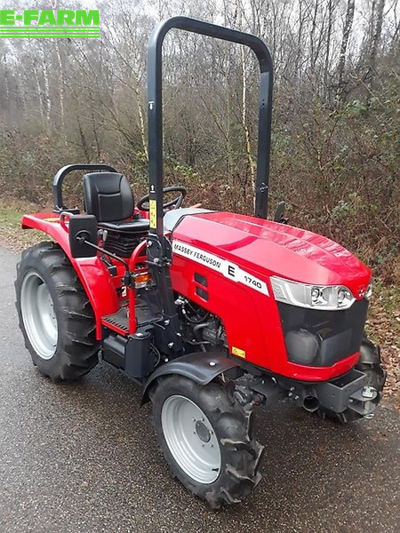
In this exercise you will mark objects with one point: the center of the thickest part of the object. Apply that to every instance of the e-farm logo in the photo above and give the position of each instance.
(50, 23)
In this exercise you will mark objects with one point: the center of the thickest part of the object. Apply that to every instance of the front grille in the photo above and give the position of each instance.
(321, 338)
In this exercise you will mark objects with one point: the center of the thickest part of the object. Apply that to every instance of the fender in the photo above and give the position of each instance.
(370, 354)
(201, 367)
(91, 271)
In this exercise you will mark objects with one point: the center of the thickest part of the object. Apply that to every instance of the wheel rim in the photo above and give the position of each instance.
(191, 439)
(37, 308)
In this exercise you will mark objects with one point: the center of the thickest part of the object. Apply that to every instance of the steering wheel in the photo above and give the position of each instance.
(143, 203)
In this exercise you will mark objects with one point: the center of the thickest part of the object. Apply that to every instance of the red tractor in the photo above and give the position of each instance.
(211, 313)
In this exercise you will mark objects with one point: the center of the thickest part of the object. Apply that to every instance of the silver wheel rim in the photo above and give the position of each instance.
(191, 439)
(37, 308)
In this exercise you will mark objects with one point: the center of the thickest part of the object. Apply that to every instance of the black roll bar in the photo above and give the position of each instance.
(63, 172)
(154, 92)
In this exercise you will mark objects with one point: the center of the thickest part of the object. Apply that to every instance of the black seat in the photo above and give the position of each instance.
(109, 197)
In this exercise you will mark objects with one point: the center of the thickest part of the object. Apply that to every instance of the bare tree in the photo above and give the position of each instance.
(376, 22)
(343, 48)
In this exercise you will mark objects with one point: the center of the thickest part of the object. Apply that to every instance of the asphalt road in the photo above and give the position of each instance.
(82, 457)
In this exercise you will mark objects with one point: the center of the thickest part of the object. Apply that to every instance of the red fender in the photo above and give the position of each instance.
(96, 281)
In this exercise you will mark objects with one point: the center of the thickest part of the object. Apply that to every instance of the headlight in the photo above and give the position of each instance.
(328, 297)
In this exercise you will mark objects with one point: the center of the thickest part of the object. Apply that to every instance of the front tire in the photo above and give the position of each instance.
(55, 315)
(205, 436)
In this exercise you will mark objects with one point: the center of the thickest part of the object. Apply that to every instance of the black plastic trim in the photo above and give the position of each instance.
(315, 337)
(202, 293)
(201, 367)
(200, 279)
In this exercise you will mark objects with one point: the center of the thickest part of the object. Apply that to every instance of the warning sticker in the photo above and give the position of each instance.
(153, 213)
(239, 352)
(226, 268)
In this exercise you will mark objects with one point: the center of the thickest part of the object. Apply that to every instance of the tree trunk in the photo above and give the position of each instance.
(250, 164)
(313, 54)
(375, 39)
(343, 48)
(328, 49)
(39, 94)
(61, 87)
(47, 98)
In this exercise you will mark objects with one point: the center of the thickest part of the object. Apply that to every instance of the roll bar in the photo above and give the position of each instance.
(61, 175)
(154, 93)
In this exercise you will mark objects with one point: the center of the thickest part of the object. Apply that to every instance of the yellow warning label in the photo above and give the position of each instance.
(153, 213)
(238, 352)
(52, 219)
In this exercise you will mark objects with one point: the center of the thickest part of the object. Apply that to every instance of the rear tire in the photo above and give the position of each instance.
(205, 436)
(55, 315)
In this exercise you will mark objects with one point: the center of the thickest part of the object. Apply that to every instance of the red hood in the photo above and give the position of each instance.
(270, 248)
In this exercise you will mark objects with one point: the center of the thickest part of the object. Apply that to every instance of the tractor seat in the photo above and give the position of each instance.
(109, 197)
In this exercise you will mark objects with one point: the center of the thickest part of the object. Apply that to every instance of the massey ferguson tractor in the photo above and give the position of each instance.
(211, 313)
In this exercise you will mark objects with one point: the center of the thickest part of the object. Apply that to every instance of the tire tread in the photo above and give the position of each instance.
(232, 423)
(77, 347)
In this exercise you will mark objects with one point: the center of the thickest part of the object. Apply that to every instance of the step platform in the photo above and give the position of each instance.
(119, 321)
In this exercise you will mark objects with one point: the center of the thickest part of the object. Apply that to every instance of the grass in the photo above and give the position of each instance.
(11, 233)
(383, 325)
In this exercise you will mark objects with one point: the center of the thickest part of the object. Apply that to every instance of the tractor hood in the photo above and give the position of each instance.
(268, 248)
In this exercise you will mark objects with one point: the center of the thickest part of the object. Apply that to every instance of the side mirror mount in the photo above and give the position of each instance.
(82, 230)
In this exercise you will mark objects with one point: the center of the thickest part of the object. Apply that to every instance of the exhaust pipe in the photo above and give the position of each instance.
(310, 403)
